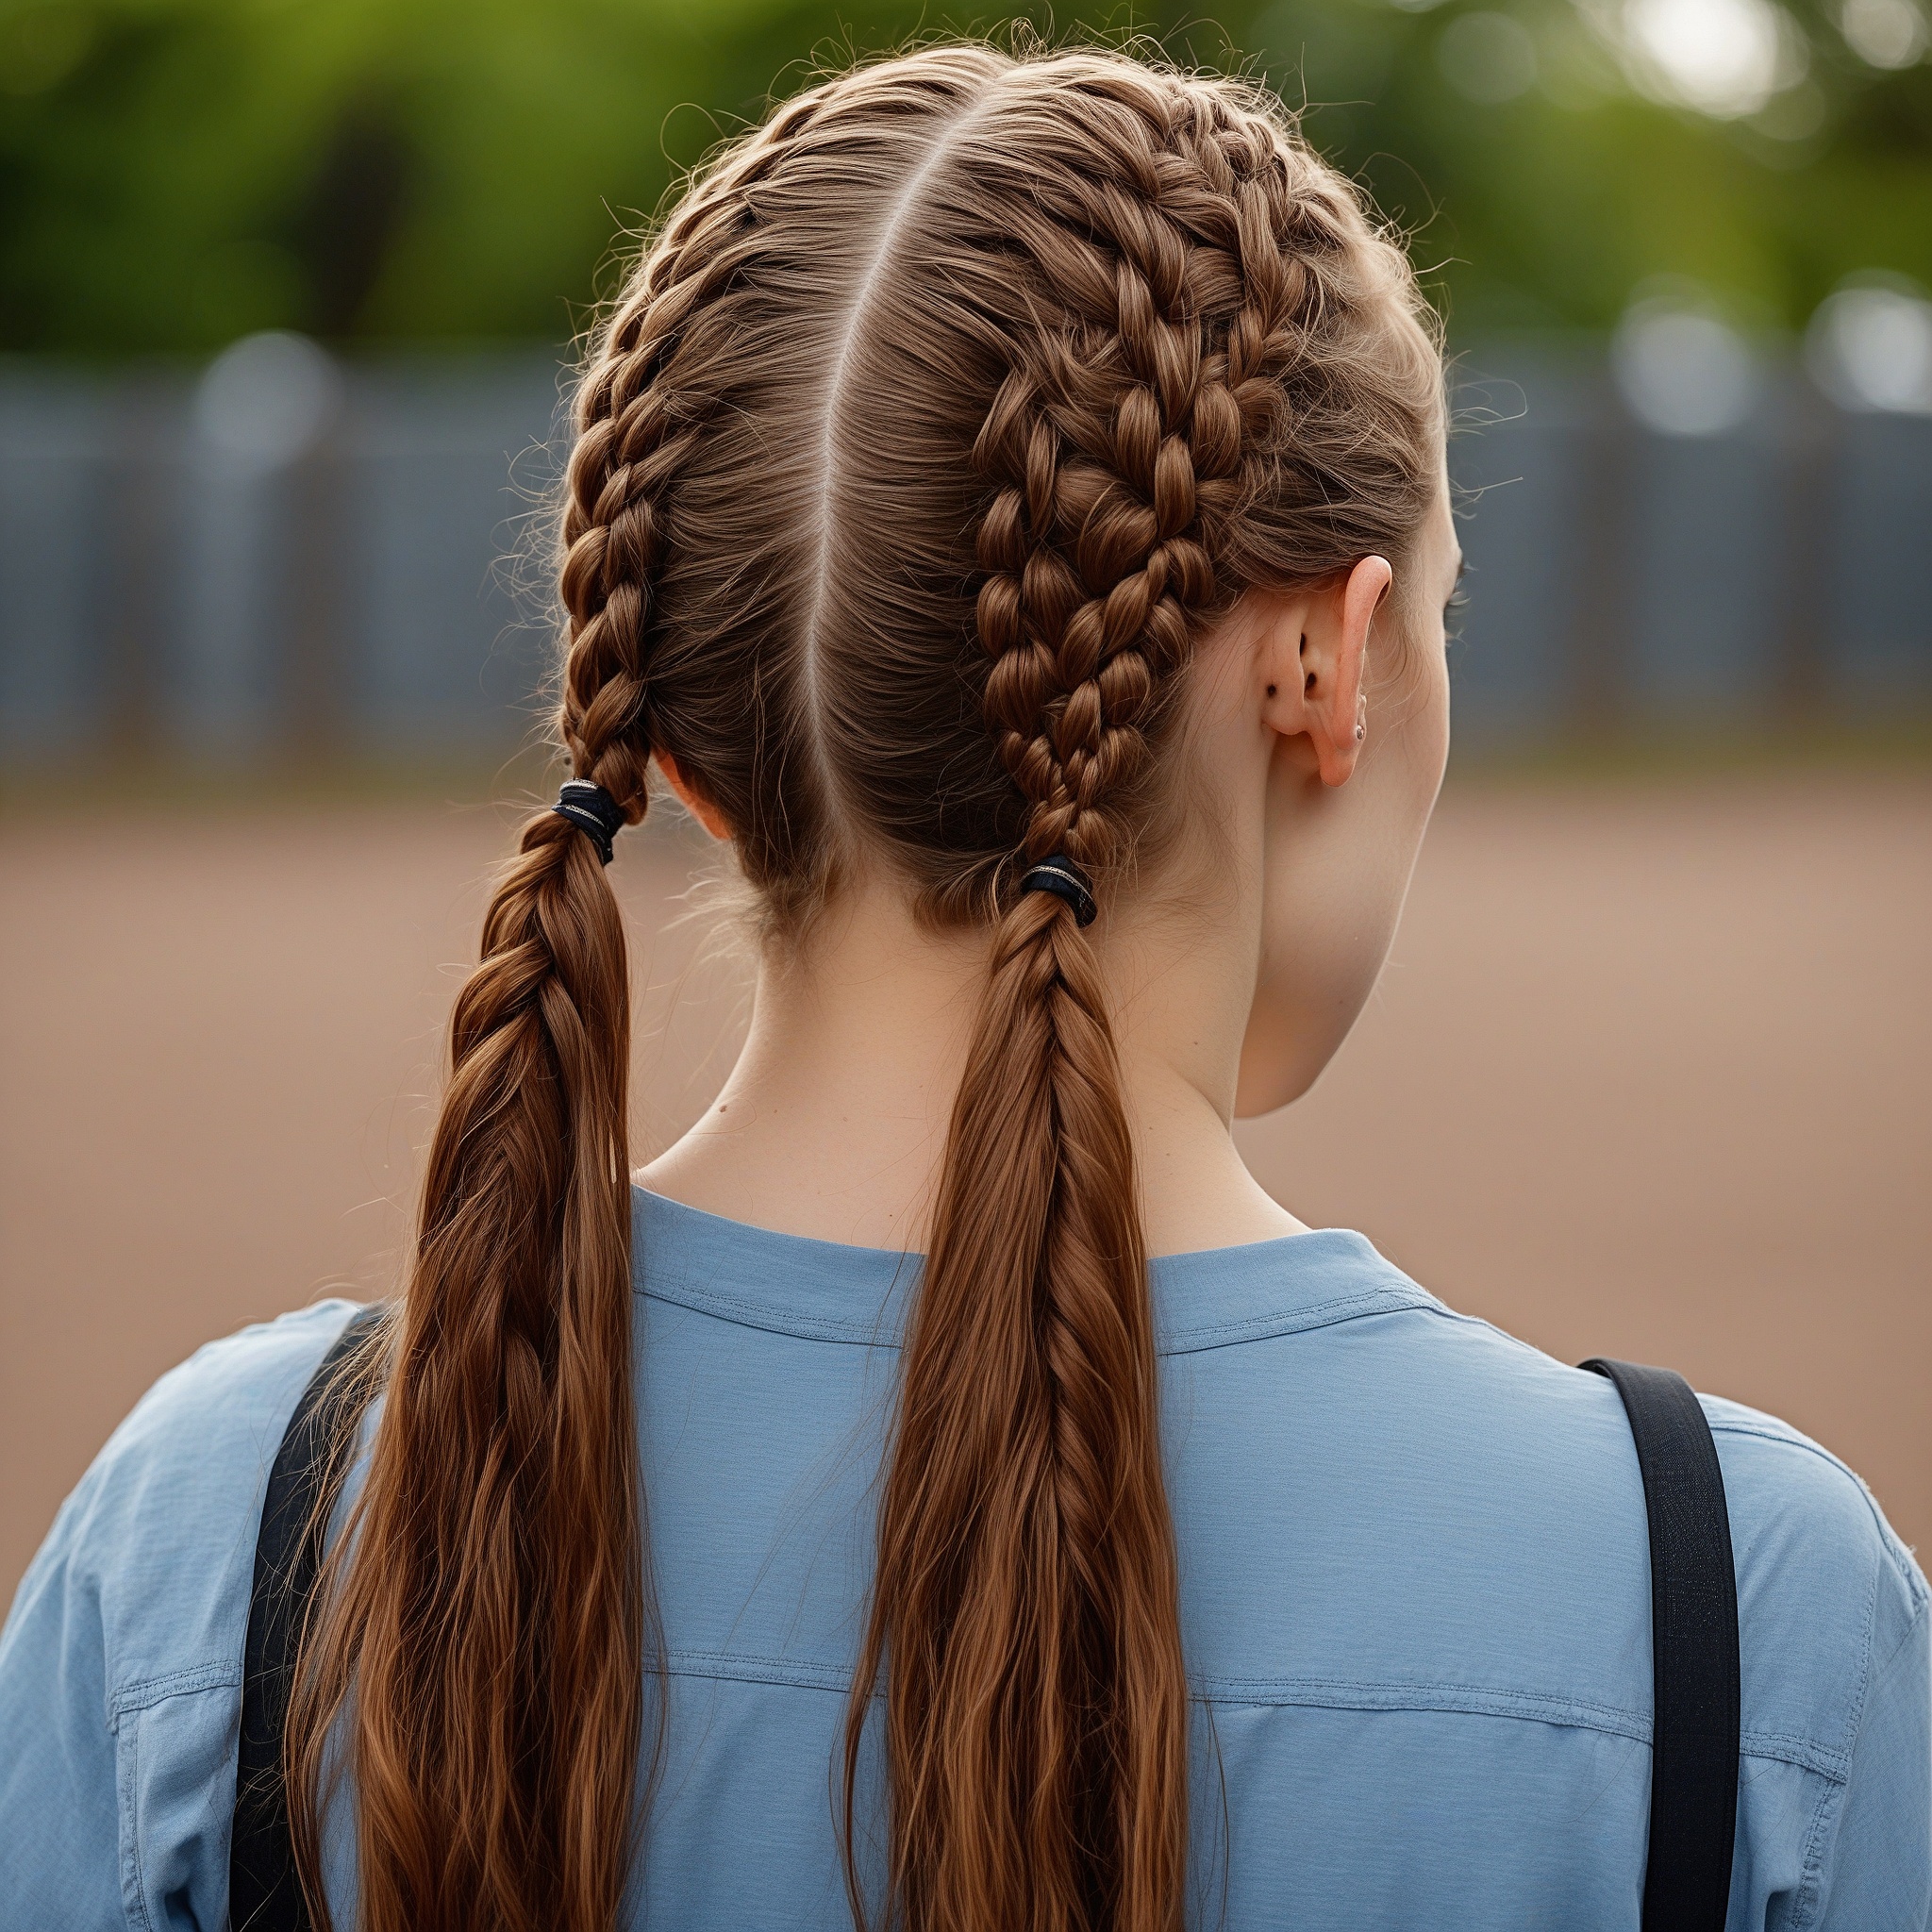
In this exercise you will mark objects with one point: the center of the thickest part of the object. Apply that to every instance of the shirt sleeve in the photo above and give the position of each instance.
(59, 1814)
(1877, 1869)
(121, 1663)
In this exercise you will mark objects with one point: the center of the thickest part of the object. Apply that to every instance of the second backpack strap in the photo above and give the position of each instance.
(263, 1893)
(1693, 1614)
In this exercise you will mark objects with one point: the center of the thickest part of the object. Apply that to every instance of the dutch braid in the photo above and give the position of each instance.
(1025, 1617)
(1116, 470)
(496, 1769)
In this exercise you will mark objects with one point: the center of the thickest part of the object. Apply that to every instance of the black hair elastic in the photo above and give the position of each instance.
(592, 810)
(1060, 877)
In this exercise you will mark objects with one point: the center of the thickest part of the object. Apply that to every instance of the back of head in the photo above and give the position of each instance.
(955, 399)
(944, 412)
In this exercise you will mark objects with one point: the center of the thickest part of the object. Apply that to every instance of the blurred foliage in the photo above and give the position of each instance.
(174, 172)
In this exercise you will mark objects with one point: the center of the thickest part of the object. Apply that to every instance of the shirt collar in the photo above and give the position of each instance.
(832, 1292)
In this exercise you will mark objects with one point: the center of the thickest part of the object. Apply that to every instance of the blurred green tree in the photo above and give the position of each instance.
(175, 172)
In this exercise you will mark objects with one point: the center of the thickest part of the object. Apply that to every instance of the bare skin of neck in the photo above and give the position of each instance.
(833, 1123)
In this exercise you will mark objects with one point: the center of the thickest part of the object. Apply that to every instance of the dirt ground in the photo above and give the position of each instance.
(1647, 1076)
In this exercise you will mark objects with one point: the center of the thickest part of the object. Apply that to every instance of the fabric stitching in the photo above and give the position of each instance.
(1376, 1301)
(150, 1690)
(1855, 1718)
(1258, 1693)
(1793, 1747)
(1811, 1898)
(1781, 1746)
(132, 1701)
(763, 1315)
(680, 1291)
(1315, 1693)
(798, 1674)
(133, 1883)
(1811, 1883)
(1422, 1694)
(1801, 1754)
(1901, 1562)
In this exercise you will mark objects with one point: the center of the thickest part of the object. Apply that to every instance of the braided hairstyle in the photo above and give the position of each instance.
(944, 411)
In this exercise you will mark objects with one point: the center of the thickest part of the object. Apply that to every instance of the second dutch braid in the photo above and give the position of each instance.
(1130, 429)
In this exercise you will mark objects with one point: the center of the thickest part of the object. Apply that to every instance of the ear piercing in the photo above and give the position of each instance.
(1362, 731)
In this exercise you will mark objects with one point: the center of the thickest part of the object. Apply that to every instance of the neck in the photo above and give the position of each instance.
(833, 1124)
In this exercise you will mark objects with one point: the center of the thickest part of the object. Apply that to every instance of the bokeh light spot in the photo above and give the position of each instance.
(1723, 58)
(1683, 370)
(266, 400)
(1488, 58)
(1869, 347)
(1883, 33)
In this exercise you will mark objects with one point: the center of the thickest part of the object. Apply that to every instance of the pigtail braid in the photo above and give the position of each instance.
(1025, 1611)
(1026, 1614)
(492, 1616)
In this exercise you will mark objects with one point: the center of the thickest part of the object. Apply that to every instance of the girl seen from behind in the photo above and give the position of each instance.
(1007, 507)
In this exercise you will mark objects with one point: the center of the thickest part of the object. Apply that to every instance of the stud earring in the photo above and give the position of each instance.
(1362, 731)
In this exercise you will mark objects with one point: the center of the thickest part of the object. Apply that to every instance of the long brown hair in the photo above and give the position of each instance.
(938, 417)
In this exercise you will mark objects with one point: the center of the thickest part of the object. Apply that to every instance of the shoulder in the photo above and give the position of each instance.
(223, 1400)
(1438, 1498)
(1788, 1496)
(1826, 1591)
(121, 1661)
(1371, 1489)
(159, 1534)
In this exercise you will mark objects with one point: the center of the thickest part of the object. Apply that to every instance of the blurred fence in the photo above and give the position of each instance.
(293, 554)
(1767, 562)
(283, 552)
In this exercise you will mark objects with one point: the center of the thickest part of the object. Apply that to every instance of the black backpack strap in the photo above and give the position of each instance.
(263, 1893)
(1693, 1635)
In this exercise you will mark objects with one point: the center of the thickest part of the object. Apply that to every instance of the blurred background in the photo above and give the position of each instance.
(286, 298)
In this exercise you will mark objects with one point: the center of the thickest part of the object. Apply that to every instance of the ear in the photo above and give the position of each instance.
(693, 801)
(1311, 661)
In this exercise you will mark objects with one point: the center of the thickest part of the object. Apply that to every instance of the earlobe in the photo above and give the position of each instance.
(699, 807)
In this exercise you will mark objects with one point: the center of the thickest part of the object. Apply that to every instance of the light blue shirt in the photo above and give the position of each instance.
(1415, 1600)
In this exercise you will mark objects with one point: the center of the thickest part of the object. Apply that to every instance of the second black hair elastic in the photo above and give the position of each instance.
(591, 810)
(1060, 877)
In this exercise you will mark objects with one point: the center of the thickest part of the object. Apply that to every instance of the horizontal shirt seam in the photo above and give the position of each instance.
(678, 1291)
(776, 1320)
(1344, 1693)
(1373, 1301)
(1318, 1693)
(1261, 1693)
(735, 1667)
(146, 1691)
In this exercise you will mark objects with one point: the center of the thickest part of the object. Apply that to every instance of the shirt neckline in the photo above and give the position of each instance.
(795, 1284)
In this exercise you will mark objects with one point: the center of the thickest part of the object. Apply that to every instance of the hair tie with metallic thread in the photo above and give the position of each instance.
(1060, 877)
(591, 810)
